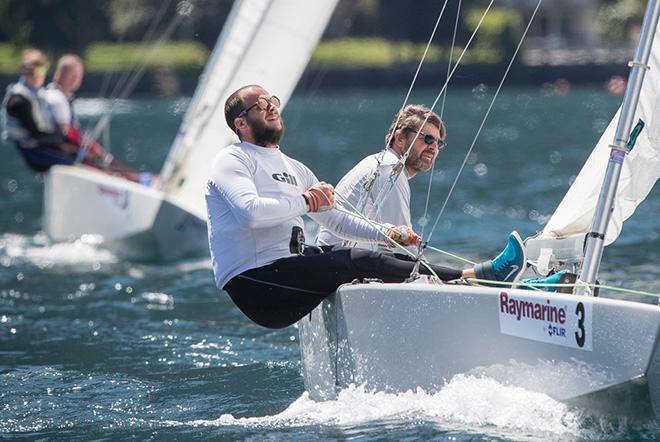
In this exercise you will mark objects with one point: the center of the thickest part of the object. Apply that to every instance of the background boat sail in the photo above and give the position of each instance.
(595, 352)
(264, 42)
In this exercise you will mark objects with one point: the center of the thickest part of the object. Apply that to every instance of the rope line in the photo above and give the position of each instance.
(534, 286)
(452, 255)
(558, 285)
(378, 226)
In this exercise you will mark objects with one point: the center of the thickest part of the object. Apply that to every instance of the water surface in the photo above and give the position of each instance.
(96, 347)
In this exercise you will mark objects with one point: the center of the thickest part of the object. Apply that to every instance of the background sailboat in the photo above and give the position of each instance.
(264, 42)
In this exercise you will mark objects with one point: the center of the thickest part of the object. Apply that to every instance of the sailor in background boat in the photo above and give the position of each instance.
(26, 117)
(59, 95)
(256, 196)
(41, 122)
(60, 92)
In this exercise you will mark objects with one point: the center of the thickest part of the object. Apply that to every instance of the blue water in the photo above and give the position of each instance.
(94, 347)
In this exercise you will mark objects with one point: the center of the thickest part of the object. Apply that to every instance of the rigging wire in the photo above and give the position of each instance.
(107, 78)
(396, 171)
(483, 122)
(183, 10)
(357, 213)
(119, 86)
(423, 221)
(362, 202)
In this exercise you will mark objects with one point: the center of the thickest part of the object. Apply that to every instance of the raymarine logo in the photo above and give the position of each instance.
(532, 309)
(559, 320)
(285, 178)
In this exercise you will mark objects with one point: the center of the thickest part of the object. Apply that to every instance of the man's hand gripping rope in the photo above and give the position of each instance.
(402, 235)
(320, 197)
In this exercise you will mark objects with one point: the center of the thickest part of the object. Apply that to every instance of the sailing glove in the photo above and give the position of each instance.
(320, 197)
(402, 235)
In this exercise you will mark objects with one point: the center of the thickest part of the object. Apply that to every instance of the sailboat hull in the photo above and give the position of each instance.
(593, 352)
(133, 220)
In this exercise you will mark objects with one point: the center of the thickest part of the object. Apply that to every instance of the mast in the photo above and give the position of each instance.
(596, 237)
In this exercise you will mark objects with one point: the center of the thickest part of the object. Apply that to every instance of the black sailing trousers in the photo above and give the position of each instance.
(279, 294)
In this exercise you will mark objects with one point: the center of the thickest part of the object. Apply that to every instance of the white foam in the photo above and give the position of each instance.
(41, 252)
(158, 301)
(467, 403)
(94, 107)
(144, 271)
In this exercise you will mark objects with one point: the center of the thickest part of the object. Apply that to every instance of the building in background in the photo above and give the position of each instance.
(566, 32)
(561, 24)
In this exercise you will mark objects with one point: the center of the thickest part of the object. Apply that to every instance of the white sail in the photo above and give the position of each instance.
(640, 171)
(264, 42)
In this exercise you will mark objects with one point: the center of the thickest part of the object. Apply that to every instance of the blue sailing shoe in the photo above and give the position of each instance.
(508, 266)
(552, 279)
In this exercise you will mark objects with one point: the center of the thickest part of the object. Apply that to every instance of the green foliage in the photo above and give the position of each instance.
(495, 22)
(616, 19)
(369, 53)
(50, 25)
(378, 53)
(102, 57)
(498, 34)
(105, 57)
(10, 59)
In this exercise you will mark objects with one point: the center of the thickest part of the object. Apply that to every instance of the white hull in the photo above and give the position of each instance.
(397, 337)
(134, 220)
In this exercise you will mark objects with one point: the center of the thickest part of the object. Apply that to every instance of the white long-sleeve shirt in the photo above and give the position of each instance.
(61, 108)
(394, 208)
(254, 199)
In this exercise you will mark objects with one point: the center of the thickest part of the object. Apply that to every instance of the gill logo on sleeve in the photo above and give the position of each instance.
(285, 178)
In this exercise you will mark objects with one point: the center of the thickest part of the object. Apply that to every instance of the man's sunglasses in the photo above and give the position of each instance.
(262, 103)
(40, 71)
(429, 139)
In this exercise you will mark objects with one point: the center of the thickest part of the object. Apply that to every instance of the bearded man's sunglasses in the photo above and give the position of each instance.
(262, 103)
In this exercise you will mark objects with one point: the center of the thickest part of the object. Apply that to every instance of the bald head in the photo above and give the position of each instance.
(68, 73)
(254, 115)
(235, 103)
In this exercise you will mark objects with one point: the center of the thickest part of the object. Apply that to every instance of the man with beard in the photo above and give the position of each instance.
(416, 130)
(256, 196)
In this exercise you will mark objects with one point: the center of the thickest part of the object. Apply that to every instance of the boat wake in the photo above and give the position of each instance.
(83, 255)
(467, 403)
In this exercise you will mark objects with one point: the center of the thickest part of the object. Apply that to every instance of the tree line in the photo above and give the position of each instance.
(71, 25)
